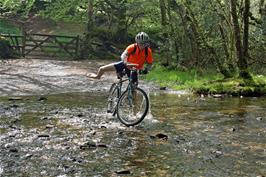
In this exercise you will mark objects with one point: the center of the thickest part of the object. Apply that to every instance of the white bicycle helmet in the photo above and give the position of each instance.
(142, 38)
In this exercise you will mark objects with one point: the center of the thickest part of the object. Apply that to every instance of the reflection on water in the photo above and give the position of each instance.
(71, 135)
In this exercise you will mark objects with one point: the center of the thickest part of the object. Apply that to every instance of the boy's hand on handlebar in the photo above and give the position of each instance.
(143, 71)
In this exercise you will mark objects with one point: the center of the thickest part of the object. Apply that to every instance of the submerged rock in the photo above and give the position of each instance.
(259, 118)
(42, 98)
(123, 172)
(88, 145)
(14, 150)
(15, 98)
(43, 136)
(160, 136)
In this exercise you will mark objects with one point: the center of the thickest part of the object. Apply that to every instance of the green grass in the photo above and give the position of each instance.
(207, 82)
(178, 79)
(8, 28)
(69, 29)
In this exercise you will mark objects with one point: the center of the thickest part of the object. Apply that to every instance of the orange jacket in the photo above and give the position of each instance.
(138, 57)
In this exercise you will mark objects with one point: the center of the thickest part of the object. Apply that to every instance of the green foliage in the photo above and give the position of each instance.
(17, 7)
(8, 28)
(66, 10)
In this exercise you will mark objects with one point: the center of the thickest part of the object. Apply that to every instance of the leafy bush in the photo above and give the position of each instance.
(5, 48)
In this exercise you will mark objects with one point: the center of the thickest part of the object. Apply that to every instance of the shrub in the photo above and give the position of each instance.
(5, 48)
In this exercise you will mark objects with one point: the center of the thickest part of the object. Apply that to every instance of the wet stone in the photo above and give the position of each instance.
(49, 126)
(14, 150)
(43, 136)
(159, 136)
(55, 112)
(77, 160)
(88, 145)
(14, 106)
(218, 153)
(123, 172)
(27, 156)
(44, 118)
(103, 127)
(233, 129)
(218, 96)
(92, 133)
(102, 145)
(259, 118)
(15, 98)
(80, 115)
(42, 98)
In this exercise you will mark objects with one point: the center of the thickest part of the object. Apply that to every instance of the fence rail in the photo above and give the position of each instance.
(46, 45)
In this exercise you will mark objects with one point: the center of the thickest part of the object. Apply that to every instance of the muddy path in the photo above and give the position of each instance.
(38, 77)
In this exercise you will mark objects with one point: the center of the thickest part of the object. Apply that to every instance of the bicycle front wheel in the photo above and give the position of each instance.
(112, 99)
(132, 107)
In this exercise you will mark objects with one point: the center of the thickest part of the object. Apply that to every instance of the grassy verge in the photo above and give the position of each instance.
(207, 82)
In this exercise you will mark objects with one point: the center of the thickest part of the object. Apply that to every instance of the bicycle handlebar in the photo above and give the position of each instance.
(131, 64)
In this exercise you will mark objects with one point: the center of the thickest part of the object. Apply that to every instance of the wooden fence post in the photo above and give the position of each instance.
(23, 42)
(77, 47)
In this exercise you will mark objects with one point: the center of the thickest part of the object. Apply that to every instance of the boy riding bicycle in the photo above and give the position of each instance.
(137, 53)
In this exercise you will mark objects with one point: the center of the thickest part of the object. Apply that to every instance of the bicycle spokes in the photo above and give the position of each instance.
(112, 99)
(132, 107)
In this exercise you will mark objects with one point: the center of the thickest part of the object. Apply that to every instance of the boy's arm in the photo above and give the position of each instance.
(124, 56)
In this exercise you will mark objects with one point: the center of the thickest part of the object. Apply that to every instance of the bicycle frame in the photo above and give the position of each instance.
(130, 83)
(127, 99)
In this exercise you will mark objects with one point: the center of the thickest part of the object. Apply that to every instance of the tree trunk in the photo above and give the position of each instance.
(90, 15)
(121, 34)
(226, 68)
(196, 36)
(163, 12)
(173, 33)
(86, 48)
(165, 33)
(237, 34)
(240, 49)
(244, 63)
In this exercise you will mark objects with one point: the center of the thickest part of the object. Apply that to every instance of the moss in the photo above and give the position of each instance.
(234, 86)
(207, 82)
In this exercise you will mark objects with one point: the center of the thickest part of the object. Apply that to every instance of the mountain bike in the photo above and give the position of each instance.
(131, 105)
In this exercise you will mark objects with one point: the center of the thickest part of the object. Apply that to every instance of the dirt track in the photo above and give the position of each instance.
(38, 77)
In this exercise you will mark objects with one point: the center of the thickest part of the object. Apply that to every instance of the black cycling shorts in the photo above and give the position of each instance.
(120, 67)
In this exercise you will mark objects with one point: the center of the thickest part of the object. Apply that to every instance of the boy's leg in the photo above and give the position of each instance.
(102, 70)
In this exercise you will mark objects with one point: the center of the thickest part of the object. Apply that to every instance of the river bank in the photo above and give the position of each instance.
(208, 82)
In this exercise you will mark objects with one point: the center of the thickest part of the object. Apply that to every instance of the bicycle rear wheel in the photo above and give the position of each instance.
(112, 99)
(132, 107)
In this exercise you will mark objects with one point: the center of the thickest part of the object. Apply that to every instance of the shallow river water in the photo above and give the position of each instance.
(65, 131)
(71, 135)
